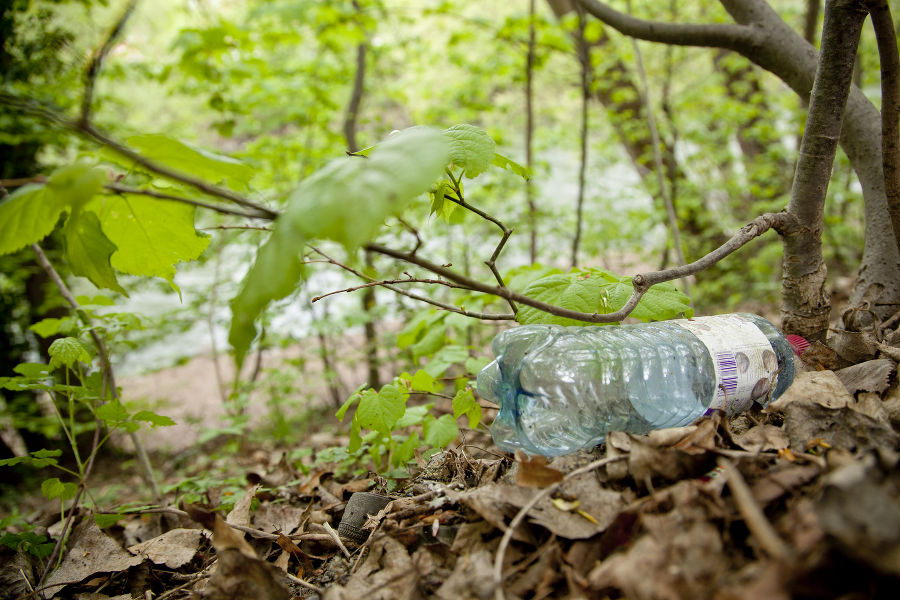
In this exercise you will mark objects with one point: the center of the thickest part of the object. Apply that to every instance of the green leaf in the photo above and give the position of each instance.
(38, 459)
(151, 235)
(405, 451)
(349, 199)
(30, 213)
(27, 216)
(422, 382)
(598, 291)
(382, 410)
(51, 326)
(471, 148)
(106, 520)
(154, 419)
(112, 413)
(448, 355)
(464, 403)
(88, 250)
(274, 275)
(346, 201)
(414, 415)
(475, 364)
(510, 165)
(33, 370)
(54, 488)
(437, 433)
(355, 439)
(197, 162)
(346, 405)
(67, 351)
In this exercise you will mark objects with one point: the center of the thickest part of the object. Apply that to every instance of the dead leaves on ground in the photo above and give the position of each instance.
(818, 516)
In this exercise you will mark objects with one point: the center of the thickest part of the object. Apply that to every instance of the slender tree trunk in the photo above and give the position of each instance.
(805, 305)
(368, 294)
(584, 57)
(890, 106)
(529, 134)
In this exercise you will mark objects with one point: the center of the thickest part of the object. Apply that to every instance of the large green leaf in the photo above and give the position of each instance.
(273, 276)
(346, 201)
(67, 351)
(437, 433)
(349, 199)
(382, 410)
(471, 148)
(151, 235)
(598, 291)
(216, 168)
(30, 213)
(88, 250)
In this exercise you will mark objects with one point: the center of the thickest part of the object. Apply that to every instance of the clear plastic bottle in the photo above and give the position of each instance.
(564, 388)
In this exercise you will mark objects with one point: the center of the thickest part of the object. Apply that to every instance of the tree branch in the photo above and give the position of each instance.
(713, 35)
(886, 39)
(402, 292)
(123, 189)
(36, 109)
(781, 222)
(93, 70)
(805, 305)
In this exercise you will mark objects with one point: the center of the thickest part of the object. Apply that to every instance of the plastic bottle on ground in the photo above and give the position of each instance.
(561, 389)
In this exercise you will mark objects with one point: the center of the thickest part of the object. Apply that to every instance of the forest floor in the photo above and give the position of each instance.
(800, 500)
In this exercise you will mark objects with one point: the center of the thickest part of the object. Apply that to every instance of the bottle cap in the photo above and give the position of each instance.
(799, 344)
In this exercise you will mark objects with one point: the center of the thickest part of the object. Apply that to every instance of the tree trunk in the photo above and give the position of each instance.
(805, 306)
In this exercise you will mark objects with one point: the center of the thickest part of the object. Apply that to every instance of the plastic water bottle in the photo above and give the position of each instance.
(564, 388)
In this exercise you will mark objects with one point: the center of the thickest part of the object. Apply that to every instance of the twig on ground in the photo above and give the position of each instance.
(337, 539)
(753, 515)
(305, 584)
(523, 512)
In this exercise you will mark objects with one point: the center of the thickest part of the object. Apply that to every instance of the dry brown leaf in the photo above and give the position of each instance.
(240, 513)
(174, 548)
(387, 573)
(762, 438)
(870, 376)
(776, 484)
(817, 407)
(224, 537)
(273, 517)
(240, 577)
(90, 551)
(534, 472)
(471, 578)
(859, 508)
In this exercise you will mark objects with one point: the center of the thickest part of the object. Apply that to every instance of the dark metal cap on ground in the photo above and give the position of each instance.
(358, 507)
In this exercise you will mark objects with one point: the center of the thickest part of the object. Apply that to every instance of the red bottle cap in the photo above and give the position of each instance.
(799, 344)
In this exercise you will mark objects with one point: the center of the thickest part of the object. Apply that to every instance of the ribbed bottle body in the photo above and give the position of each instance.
(564, 388)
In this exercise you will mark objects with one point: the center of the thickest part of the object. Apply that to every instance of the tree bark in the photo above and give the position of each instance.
(763, 37)
(805, 306)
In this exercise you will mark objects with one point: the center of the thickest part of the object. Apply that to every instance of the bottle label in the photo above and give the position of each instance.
(744, 360)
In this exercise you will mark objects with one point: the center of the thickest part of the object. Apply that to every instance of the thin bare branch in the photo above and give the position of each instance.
(93, 70)
(123, 189)
(492, 261)
(54, 116)
(781, 222)
(387, 282)
(413, 296)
